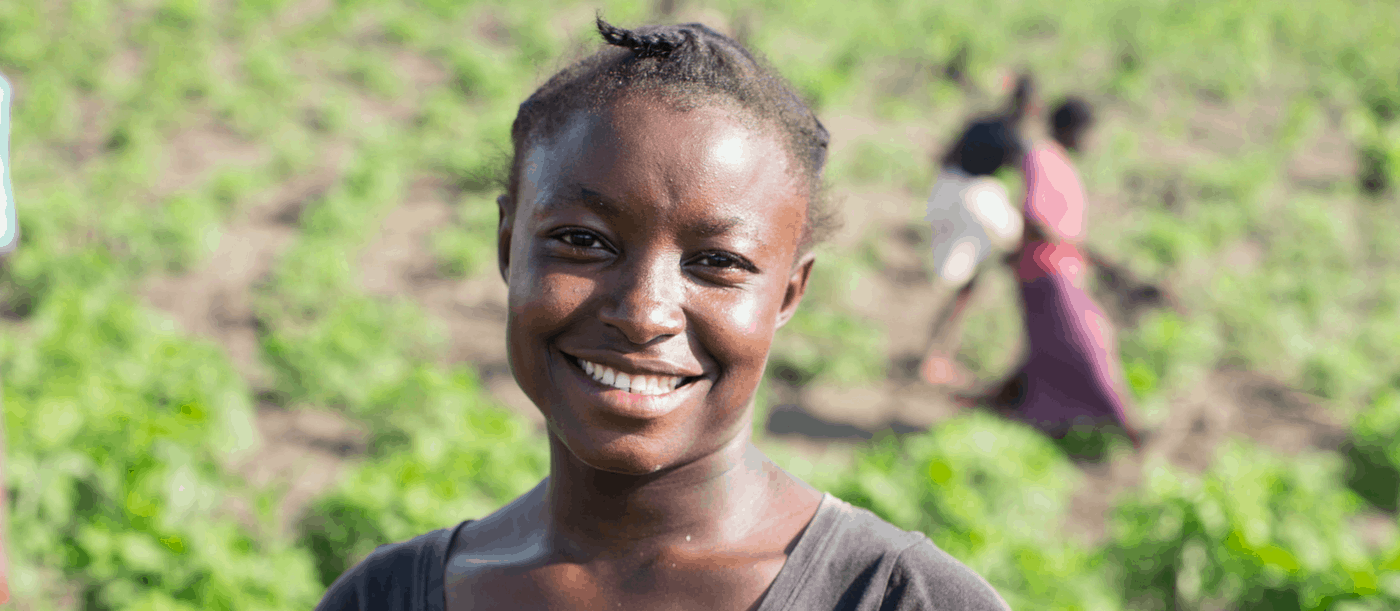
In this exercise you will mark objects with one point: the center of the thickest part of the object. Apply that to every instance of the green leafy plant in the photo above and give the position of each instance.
(449, 454)
(117, 429)
(825, 339)
(1256, 532)
(991, 493)
(1373, 453)
(468, 247)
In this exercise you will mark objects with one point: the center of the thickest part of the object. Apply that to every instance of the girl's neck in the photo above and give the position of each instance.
(721, 495)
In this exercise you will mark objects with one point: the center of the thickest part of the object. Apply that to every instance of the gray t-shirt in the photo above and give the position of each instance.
(847, 559)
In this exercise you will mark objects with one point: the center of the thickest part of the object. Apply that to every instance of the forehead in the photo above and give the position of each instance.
(643, 149)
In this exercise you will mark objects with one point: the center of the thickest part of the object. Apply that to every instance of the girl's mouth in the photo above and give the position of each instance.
(635, 383)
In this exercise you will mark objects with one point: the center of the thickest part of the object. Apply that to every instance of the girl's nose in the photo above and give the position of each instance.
(646, 304)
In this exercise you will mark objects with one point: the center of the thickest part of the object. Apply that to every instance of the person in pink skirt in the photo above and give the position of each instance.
(1072, 377)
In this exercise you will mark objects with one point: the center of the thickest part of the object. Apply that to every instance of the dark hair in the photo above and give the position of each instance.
(687, 64)
(986, 146)
(1072, 115)
(1007, 130)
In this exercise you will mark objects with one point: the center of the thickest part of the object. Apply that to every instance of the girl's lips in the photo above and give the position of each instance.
(634, 382)
(644, 399)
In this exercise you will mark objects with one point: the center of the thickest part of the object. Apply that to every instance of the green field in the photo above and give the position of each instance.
(252, 329)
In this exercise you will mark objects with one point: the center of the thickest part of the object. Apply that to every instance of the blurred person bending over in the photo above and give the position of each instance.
(1072, 376)
(972, 220)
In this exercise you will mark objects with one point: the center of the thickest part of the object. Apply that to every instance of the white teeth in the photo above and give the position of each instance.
(638, 384)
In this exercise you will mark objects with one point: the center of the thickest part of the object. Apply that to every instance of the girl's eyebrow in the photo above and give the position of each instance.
(601, 204)
(711, 227)
(607, 207)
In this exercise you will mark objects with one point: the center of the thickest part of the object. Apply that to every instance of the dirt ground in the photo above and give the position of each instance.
(304, 451)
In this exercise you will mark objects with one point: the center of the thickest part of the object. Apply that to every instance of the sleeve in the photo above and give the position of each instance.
(926, 578)
(343, 595)
(371, 583)
(386, 580)
(347, 592)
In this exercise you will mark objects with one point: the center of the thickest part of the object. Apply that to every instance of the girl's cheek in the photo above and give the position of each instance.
(751, 322)
(747, 318)
(541, 297)
(563, 294)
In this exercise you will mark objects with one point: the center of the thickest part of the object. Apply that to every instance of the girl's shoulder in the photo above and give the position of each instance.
(851, 559)
(403, 576)
(926, 577)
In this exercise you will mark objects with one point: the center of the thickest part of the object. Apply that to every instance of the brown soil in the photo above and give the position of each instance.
(193, 154)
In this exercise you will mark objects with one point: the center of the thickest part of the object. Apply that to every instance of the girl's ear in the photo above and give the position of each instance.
(796, 288)
(503, 228)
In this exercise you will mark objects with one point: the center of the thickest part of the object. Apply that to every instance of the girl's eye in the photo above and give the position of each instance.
(719, 260)
(580, 239)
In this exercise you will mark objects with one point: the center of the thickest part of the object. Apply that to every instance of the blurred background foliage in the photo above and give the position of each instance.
(121, 426)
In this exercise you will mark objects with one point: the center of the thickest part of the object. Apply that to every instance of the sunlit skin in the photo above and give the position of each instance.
(660, 241)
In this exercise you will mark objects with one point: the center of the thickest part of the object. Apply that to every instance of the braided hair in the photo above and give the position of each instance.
(688, 65)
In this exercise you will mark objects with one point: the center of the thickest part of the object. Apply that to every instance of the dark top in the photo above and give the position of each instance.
(847, 559)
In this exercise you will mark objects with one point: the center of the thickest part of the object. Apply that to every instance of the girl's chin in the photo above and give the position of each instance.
(637, 454)
(618, 453)
(626, 464)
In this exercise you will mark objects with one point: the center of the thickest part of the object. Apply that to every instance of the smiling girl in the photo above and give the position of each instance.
(656, 232)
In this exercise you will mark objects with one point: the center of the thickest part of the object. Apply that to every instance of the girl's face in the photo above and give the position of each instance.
(651, 254)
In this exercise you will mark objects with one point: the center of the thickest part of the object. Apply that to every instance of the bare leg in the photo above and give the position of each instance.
(951, 313)
(938, 366)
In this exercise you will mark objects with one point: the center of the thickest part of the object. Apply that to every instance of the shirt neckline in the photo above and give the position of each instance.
(811, 544)
(438, 577)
